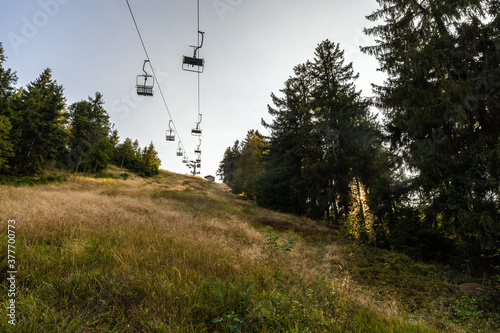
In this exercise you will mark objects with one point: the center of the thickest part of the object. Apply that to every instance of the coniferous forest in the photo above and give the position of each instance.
(422, 177)
(40, 132)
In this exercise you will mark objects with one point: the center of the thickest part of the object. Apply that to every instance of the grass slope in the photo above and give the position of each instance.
(175, 253)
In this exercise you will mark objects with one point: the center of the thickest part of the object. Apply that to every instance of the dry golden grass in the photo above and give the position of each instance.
(161, 238)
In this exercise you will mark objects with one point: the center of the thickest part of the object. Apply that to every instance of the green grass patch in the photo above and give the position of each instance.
(31, 181)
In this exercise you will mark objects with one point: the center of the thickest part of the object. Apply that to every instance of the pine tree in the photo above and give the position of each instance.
(90, 134)
(441, 102)
(7, 81)
(5, 144)
(282, 185)
(39, 125)
(250, 166)
(322, 139)
(228, 165)
(150, 161)
(125, 155)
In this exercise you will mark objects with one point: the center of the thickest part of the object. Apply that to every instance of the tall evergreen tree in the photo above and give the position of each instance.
(282, 185)
(7, 81)
(150, 161)
(250, 166)
(322, 138)
(441, 102)
(39, 123)
(90, 134)
(228, 165)
(125, 155)
(344, 124)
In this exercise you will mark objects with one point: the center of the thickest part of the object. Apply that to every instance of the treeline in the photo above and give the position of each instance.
(39, 131)
(424, 179)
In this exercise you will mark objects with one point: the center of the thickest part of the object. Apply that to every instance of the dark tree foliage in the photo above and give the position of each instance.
(228, 165)
(149, 161)
(90, 133)
(322, 139)
(143, 161)
(38, 124)
(282, 186)
(441, 101)
(242, 164)
(7, 92)
(250, 166)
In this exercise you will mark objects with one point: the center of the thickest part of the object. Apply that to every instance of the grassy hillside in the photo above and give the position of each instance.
(175, 253)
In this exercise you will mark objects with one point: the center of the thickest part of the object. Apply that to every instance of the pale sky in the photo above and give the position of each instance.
(251, 47)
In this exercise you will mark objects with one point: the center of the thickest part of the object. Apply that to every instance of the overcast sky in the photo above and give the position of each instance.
(251, 47)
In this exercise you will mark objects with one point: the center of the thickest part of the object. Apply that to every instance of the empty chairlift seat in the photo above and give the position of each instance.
(198, 149)
(180, 151)
(170, 134)
(197, 130)
(194, 63)
(145, 82)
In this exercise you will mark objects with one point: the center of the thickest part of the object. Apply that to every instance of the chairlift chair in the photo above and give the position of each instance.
(180, 151)
(197, 130)
(194, 64)
(198, 149)
(170, 133)
(185, 159)
(144, 82)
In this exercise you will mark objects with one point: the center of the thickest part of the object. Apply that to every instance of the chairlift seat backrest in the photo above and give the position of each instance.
(143, 88)
(192, 64)
(193, 61)
(145, 82)
(170, 135)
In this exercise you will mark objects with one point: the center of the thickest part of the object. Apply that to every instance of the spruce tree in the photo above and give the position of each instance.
(282, 185)
(441, 101)
(7, 93)
(39, 123)
(228, 165)
(150, 161)
(250, 166)
(90, 135)
(322, 139)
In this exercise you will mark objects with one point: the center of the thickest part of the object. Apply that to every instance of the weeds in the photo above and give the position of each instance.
(467, 313)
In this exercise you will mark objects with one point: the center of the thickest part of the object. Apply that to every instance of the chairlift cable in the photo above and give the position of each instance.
(154, 74)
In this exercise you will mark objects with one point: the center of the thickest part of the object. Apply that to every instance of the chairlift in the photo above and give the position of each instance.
(144, 82)
(197, 130)
(170, 133)
(185, 159)
(198, 149)
(194, 64)
(180, 151)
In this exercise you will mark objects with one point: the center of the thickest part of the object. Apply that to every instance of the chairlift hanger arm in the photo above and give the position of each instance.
(144, 67)
(196, 48)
